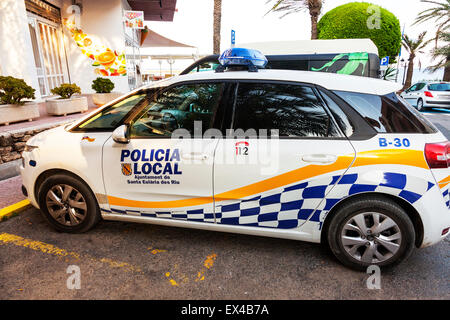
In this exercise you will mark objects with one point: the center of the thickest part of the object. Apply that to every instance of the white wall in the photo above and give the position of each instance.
(16, 53)
(101, 20)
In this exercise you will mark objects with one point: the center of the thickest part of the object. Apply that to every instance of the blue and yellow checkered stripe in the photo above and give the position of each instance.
(289, 207)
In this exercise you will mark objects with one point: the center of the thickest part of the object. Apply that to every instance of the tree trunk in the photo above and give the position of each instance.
(315, 7)
(447, 71)
(409, 73)
(216, 28)
(314, 33)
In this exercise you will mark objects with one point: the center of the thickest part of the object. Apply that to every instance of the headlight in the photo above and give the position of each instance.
(29, 148)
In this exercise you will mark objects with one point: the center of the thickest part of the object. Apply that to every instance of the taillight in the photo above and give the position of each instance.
(428, 94)
(438, 155)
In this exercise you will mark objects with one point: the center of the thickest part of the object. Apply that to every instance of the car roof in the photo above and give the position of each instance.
(330, 81)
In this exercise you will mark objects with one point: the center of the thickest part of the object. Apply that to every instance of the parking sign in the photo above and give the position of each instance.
(384, 62)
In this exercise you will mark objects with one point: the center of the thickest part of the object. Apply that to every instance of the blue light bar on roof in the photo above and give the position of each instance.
(242, 57)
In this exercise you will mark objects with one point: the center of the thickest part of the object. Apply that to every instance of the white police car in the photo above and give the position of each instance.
(354, 166)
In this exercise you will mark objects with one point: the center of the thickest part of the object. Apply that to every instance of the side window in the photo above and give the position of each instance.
(288, 65)
(341, 118)
(292, 109)
(178, 108)
(412, 89)
(420, 86)
(382, 115)
(111, 117)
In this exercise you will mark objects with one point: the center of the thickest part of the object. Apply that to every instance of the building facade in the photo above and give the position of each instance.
(50, 42)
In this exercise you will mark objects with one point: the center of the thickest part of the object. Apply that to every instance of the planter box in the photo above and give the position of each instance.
(64, 107)
(13, 113)
(101, 99)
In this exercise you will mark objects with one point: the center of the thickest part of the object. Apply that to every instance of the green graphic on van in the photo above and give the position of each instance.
(355, 64)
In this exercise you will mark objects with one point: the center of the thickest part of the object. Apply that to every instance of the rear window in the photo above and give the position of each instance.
(387, 114)
(439, 87)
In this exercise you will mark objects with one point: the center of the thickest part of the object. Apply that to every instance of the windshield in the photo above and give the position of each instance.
(113, 116)
(439, 87)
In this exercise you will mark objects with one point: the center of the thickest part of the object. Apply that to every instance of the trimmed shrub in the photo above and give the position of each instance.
(102, 85)
(357, 20)
(66, 90)
(13, 90)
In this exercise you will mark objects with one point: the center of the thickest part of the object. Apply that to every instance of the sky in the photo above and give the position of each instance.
(193, 22)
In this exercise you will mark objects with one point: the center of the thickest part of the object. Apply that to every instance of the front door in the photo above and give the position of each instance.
(278, 183)
(165, 171)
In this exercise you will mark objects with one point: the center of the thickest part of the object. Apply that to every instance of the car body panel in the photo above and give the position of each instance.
(209, 191)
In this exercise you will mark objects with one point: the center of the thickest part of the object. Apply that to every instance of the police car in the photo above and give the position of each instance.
(318, 157)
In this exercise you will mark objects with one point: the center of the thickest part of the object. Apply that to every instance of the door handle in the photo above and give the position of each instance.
(195, 156)
(320, 158)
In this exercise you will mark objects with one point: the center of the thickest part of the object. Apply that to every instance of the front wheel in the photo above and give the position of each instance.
(68, 204)
(373, 231)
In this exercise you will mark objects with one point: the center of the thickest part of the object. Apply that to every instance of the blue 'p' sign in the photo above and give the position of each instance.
(384, 62)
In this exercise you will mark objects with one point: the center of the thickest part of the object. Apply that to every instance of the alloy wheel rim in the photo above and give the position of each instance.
(66, 205)
(371, 237)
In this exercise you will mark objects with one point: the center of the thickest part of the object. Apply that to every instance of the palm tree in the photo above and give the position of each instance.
(292, 6)
(441, 15)
(413, 47)
(217, 17)
(389, 74)
(442, 55)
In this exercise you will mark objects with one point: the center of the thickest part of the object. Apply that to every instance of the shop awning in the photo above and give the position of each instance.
(155, 10)
(154, 40)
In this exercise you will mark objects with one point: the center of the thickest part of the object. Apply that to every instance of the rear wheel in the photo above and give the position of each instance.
(420, 106)
(68, 204)
(373, 231)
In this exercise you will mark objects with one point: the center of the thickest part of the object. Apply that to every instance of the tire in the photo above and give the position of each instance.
(345, 241)
(420, 106)
(77, 212)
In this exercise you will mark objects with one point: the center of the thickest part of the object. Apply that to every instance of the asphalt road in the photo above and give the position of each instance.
(136, 261)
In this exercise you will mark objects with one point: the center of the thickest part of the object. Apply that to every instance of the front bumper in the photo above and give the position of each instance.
(28, 173)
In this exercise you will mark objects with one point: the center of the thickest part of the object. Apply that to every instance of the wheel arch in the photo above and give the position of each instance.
(405, 205)
(48, 173)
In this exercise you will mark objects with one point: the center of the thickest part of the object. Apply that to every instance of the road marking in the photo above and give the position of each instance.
(172, 281)
(6, 238)
(11, 210)
(156, 251)
(208, 264)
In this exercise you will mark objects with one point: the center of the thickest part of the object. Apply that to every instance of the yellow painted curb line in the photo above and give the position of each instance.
(14, 209)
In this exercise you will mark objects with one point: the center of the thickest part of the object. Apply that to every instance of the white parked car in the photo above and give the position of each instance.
(354, 166)
(424, 95)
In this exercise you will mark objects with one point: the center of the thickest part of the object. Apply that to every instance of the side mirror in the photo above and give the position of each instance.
(120, 135)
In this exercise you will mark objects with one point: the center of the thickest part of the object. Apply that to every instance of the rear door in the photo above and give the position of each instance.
(278, 182)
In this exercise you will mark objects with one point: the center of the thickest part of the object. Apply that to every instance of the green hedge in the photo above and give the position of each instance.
(349, 21)
(102, 85)
(13, 90)
(66, 90)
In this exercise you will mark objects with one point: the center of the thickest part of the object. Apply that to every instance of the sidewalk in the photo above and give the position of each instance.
(10, 191)
(45, 118)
